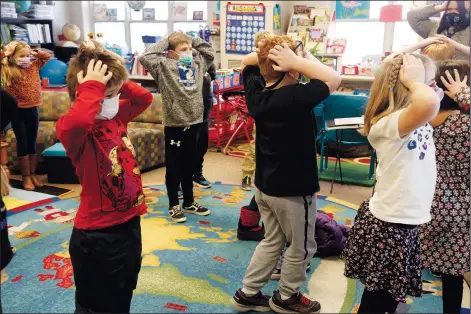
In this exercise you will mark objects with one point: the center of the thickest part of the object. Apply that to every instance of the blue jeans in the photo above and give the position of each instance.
(25, 125)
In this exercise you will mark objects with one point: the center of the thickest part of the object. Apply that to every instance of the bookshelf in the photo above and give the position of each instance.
(22, 22)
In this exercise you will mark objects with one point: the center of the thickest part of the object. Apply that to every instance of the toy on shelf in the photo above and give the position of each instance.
(336, 46)
(70, 34)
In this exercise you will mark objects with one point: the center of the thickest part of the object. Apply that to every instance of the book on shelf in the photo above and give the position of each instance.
(29, 33)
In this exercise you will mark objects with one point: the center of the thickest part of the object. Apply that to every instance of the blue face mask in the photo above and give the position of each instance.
(186, 58)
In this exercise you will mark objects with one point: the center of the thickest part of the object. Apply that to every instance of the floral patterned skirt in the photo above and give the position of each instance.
(385, 256)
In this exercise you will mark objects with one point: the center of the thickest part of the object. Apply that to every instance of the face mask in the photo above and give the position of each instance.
(23, 62)
(276, 83)
(186, 58)
(453, 19)
(110, 107)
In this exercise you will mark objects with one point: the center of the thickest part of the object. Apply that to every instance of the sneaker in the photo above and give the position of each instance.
(196, 209)
(298, 303)
(276, 275)
(242, 303)
(176, 214)
(246, 183)
(180, 193)
(201, 181)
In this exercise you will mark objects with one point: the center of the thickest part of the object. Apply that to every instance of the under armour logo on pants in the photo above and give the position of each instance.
(172, 142)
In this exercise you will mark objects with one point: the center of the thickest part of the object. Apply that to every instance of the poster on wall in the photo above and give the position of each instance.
(242, 23)
(276, 17)
(352, 10)
(216, 14)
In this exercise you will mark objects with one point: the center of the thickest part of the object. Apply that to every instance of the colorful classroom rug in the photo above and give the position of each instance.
(193, 267)
(355, 171)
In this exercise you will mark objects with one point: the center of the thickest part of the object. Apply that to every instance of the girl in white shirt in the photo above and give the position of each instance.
(383, 248)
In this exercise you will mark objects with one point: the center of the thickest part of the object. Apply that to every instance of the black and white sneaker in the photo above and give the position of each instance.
(243, 303)
(201, 181)
(298, 303)
(196, 209)
(246, 183)
(176, 214)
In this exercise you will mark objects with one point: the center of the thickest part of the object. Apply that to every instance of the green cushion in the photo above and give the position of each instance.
(56, 150)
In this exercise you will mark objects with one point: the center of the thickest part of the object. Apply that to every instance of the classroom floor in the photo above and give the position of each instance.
(220, 167)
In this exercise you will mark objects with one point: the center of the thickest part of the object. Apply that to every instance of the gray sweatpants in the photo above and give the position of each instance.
(286, 219)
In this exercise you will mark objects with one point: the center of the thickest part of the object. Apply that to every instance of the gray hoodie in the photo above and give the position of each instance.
(180, 85)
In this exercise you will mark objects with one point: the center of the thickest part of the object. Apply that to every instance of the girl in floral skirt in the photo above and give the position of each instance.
(383, 248)
(445, 240)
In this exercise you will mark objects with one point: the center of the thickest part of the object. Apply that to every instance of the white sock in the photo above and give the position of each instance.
(249, 292)
(283, 297)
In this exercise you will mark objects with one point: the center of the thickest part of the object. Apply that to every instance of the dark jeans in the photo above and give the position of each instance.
(201, 148)
(180, 155)
(377, 302)
(25, 125)
(452, 293)
(106, 265)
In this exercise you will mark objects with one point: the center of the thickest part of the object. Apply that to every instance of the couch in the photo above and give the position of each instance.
(146, 131)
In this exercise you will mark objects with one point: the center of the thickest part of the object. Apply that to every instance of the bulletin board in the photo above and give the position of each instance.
(243, 21)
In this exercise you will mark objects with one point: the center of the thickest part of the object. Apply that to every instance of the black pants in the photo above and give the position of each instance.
(106, 265)
(377, 302)
(9, 108)
(25, 125)
(201, 148)
(452, 293)
(180, 155)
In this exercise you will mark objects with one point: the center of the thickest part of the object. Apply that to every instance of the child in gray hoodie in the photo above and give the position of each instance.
(178, 65)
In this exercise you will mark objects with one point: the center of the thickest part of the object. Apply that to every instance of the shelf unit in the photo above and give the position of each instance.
(357, 78)
(140, 78)
(23, 21)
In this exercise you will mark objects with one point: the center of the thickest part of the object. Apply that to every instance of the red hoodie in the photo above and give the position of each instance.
(103, 155)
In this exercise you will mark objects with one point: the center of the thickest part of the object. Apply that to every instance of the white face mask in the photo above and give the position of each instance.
(23, 62)
(110, 107)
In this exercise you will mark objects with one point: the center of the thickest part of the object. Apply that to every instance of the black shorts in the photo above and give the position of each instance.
(106, 265)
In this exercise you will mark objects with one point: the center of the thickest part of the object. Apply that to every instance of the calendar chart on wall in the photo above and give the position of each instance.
(243, 21)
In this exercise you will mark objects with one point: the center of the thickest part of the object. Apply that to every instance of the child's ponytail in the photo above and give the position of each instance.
(393, 78)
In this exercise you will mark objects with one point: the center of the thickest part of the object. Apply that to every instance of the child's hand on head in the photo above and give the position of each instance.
(95, 72)
(10, 48)
(412, 71)
(283, 56)
(453, 85)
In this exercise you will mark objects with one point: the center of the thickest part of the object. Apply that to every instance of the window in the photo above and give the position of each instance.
(145, 29)
(404, 35)
(371, 37)
(361, 41)
(129, 26)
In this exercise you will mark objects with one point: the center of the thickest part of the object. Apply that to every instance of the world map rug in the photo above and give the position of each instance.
(193, 267)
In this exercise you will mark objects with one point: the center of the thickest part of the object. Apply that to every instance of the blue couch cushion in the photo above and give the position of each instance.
(56, 150)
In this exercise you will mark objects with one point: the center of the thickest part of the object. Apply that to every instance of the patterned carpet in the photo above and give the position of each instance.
(193, 267)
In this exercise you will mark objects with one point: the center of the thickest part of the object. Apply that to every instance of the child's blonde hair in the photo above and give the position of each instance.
(388, 94)
(269, 41)
(10, 72)
(439, 51)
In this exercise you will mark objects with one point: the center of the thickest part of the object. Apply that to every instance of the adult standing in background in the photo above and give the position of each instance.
(454, 23)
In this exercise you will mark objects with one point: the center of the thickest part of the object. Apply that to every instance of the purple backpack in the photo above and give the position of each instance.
(330, 236)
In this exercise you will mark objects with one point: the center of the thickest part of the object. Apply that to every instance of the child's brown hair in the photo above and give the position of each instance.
(80, 61)
(178, 38)
(269, 41)
(450, 65)
(439, 51)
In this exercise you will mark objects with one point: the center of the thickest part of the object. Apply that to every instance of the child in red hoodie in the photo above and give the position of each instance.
(106, 245)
